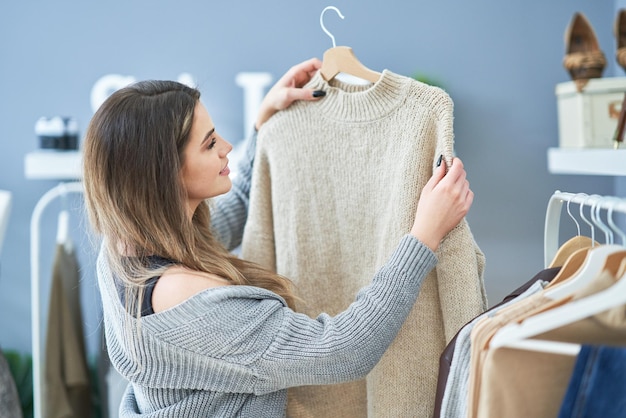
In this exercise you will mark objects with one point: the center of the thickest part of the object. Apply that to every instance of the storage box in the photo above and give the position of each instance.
(588, 119)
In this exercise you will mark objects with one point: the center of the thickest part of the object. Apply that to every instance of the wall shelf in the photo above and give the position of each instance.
(53, 165)
(588, 161)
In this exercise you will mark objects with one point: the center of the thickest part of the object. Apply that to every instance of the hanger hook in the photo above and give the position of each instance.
(611, 222)
(570, 213)
(593, 229)
(332, 38)
(597, 219)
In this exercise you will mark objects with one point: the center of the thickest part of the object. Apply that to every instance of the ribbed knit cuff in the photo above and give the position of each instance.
(412, 256)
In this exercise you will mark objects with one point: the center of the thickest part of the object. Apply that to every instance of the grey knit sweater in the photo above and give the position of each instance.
(233, 351)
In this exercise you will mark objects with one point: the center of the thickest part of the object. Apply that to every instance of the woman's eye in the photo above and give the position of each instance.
(212, 144)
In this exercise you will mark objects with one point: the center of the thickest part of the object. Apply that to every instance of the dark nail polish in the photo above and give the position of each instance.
(439, 160)
(319, 93)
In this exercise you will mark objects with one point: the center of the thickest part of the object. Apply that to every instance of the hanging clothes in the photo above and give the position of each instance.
(336, 184)
(454, 368)
(67, 388)
(521, 383)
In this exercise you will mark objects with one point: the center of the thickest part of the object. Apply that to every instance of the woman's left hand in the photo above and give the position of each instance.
(289, 89)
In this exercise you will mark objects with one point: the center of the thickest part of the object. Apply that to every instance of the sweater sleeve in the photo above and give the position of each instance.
(346, 347)
(230, 211)
(244, 339)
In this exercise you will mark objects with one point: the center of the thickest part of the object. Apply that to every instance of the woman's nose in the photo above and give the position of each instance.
(226, 147)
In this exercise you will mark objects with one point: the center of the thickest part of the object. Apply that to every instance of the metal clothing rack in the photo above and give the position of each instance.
(60, 190)
(553, 215)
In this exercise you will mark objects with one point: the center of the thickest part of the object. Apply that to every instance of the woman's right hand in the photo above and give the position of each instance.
(288, 89)
(444, 201)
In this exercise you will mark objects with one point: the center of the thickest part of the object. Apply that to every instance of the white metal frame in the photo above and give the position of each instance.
(35, 223)
(553, 215)
(516, 334)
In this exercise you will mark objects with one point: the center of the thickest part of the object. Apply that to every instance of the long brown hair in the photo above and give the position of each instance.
(135, 199)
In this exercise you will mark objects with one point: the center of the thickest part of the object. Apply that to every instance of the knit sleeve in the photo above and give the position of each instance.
(461, 264)
(346, 347)
(259, 243)
(230, 211)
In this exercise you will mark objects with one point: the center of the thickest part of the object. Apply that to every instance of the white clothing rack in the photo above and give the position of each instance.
(553, 215)
(58, 191)
(516, 335)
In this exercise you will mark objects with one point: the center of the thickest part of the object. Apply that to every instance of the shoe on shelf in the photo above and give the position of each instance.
(619, 30)
(583, 57)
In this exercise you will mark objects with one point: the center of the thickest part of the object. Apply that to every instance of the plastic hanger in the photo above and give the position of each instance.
(592, 265)
(341, 59)
(518, 335)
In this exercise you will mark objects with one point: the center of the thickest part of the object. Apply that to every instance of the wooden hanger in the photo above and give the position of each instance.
(570, 267)
(341, 59)
(571, 246)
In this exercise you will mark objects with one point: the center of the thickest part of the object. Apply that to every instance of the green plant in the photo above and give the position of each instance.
(21, 366)
(426, 79)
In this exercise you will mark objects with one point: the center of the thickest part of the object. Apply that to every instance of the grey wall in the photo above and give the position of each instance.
(500, 62)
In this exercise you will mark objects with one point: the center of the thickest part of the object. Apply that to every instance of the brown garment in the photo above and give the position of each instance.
(67, 392)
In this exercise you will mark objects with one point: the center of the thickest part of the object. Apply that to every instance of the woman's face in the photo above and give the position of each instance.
(205, 168)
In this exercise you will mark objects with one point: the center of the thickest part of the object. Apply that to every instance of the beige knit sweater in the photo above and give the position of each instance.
(335, 185)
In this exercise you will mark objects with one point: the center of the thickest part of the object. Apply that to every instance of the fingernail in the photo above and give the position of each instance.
(439, 160)
(319, 93)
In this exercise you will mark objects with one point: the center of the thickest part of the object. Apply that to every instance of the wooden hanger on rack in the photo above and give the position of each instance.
(598, 258)
(572, 254)
(606, 259)
(341, 59)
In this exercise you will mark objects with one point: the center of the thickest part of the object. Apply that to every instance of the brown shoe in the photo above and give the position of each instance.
(583, 57)
(619, 30)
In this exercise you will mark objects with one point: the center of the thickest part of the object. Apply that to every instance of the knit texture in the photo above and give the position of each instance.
(336, 183)
(233, 350)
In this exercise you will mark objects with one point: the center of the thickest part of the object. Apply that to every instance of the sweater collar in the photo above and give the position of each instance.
(360, 103)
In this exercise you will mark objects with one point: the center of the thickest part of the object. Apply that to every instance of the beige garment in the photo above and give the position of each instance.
(523, 383)
(482, 332)
(335, 185)
(67, 389)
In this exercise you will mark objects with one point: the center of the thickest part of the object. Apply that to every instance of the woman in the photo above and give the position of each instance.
(197, 331)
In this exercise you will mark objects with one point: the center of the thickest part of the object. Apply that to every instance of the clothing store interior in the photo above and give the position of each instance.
(522, 309)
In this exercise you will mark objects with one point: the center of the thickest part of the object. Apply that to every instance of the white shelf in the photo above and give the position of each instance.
(53, 165)
(589, 161)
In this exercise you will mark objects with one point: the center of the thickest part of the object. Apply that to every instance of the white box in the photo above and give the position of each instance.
(588, 119)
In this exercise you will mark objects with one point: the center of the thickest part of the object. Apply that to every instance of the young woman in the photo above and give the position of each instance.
(197, 331)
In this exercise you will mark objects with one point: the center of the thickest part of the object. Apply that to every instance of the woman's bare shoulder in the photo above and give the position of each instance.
(178, 284)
